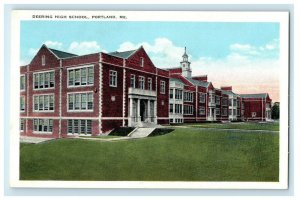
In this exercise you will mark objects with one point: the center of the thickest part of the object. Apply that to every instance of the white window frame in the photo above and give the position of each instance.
(190, 110)
(218, 111)
(80, 103)
(171, 108)
(171, 92)
(178, 109)
(22, 124)
(44, 76)
(22, 97)
(141, 82)
(48, 126)
(132, 78)
(150, 83)
(178, 94)
(86, 127)
(141, 61)
(113, 78)
(22, 89)
(202, 97)
(188, 97)
(88, 83)
(43, 60)
(38, 95)
(162, 87)
(202, 110)
(218, 100)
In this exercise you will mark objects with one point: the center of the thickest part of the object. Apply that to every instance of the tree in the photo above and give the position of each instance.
(275, 110)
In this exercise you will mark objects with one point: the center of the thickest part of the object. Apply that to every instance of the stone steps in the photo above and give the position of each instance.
(141, 132)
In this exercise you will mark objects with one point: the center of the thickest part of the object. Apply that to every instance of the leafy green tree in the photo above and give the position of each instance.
(275, 110)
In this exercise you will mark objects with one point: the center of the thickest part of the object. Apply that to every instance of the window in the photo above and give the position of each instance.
(80, 126)
(81, 76)
(22, 82)
(224, 101)
(141, 62)
(211, 98)
(217, 100)
(217, 111)
(43, 80)
(80, 101)
(22, 103)
(178, 94)
(202, 97)
(142, 82)
(230, 111)
(230, 102)
(188, 110)
(238, 103)
(224, 111)
(22, 124)
(238, 112)
(253, 114)
(113, 78)
(162, 87)
(171, 93)
(188, 96)
(132, 81)
(202, 110)
(43, 103)
(43, 60)
(171, 108)
(234, 102)
(178, 108)
(234, 111)
(43, 125)
(149, 83)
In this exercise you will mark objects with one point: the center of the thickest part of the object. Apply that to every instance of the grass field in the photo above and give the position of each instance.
(182, 155)
(244, 125)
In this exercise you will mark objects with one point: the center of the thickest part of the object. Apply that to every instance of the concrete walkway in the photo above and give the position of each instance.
(34, 140)
(227, 129)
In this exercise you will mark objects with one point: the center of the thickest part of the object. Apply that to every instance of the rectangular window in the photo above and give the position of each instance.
(230, 102)
(171, 108)
(202, 97)
(80, 76)
(149, 83)
(80, 126)
(43, 60)
(230, 111)
(188, 110)
(142, 62)
(43, 103)
(171, 93)
(178, 94)
(22, 82)
(234, 102)
(234, 111)
(43, 125)
(22, 103)
(217, 111)
(132, 80)
(43, 80)
(202, 110)
(22, 122)
(211, 97)
(142, 82)
(238, 112)
(188, 96)
(217, 101)
(113, 78)
(224, 111)
(162, 87)
(80, 101)
(238, 103)
(224, 101)
(178, 108)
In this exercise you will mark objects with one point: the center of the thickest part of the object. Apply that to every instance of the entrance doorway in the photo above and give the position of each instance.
(143, 110)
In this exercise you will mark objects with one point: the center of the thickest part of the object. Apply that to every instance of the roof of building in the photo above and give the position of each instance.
(198, 83)
(176, 80)
(228, 92)
(122, 54)
(260, 95)
(62, 54)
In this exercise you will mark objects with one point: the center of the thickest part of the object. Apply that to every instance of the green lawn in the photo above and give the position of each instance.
(182, 155)
(274, 126)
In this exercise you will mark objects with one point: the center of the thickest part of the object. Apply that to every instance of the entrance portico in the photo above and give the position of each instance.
(142, 107)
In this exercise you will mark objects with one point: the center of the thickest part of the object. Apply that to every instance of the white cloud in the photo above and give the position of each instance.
(85, 47)
(53, 44)
(163, 52)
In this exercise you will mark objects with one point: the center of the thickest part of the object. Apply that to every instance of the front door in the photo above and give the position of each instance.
(143, 110)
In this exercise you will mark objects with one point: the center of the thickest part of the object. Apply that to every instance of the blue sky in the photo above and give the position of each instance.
(213, 47)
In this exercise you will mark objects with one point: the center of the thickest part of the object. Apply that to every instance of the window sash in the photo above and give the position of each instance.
(81, 76)
(80, 126)
(132, 81)
(43, 125)
(162, 87)
(43, 103)
(112, 78)
(149, 83)
(43, 80)
(80, 101)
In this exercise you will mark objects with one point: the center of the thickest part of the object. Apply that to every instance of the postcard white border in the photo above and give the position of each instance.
(208, 16)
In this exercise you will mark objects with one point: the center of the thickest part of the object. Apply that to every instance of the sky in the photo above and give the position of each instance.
(238, 54)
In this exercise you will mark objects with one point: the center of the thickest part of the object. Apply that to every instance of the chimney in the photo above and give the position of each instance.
(227, 88)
